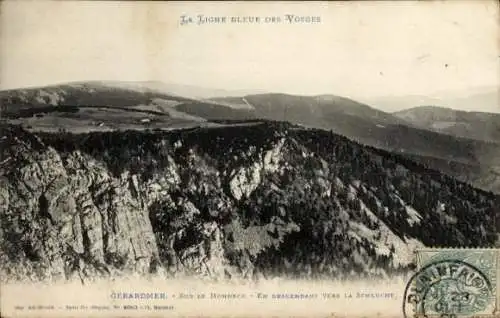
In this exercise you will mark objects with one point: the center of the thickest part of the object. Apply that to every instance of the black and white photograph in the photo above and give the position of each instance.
(239, 144)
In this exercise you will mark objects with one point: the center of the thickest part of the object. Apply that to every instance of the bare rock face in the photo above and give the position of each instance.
(246, 179)
(228, 203)
(74, 218)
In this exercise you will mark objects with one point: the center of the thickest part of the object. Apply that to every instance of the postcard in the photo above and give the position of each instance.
(250, 159)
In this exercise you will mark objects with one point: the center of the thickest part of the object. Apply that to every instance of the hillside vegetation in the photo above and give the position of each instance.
(242, 202)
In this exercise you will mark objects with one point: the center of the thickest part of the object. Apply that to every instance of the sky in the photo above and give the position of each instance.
(358, 49)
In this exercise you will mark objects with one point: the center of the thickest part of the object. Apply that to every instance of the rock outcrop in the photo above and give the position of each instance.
(223, 203)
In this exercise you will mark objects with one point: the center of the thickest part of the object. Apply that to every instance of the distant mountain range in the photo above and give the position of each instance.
(464, 145)
(486, 98)
(248, 187)
(476, 125)
(188, 91)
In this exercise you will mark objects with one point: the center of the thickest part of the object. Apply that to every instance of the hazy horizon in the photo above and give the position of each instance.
(360, 50)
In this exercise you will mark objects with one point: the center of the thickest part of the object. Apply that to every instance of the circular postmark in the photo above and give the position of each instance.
(447, 288)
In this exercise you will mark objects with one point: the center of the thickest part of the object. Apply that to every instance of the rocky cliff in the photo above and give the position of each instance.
(240, 202)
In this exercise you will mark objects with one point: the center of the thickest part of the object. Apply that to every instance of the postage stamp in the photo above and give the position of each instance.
(454, 283)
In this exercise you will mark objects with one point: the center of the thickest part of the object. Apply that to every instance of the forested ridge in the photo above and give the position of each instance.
(263, 200)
